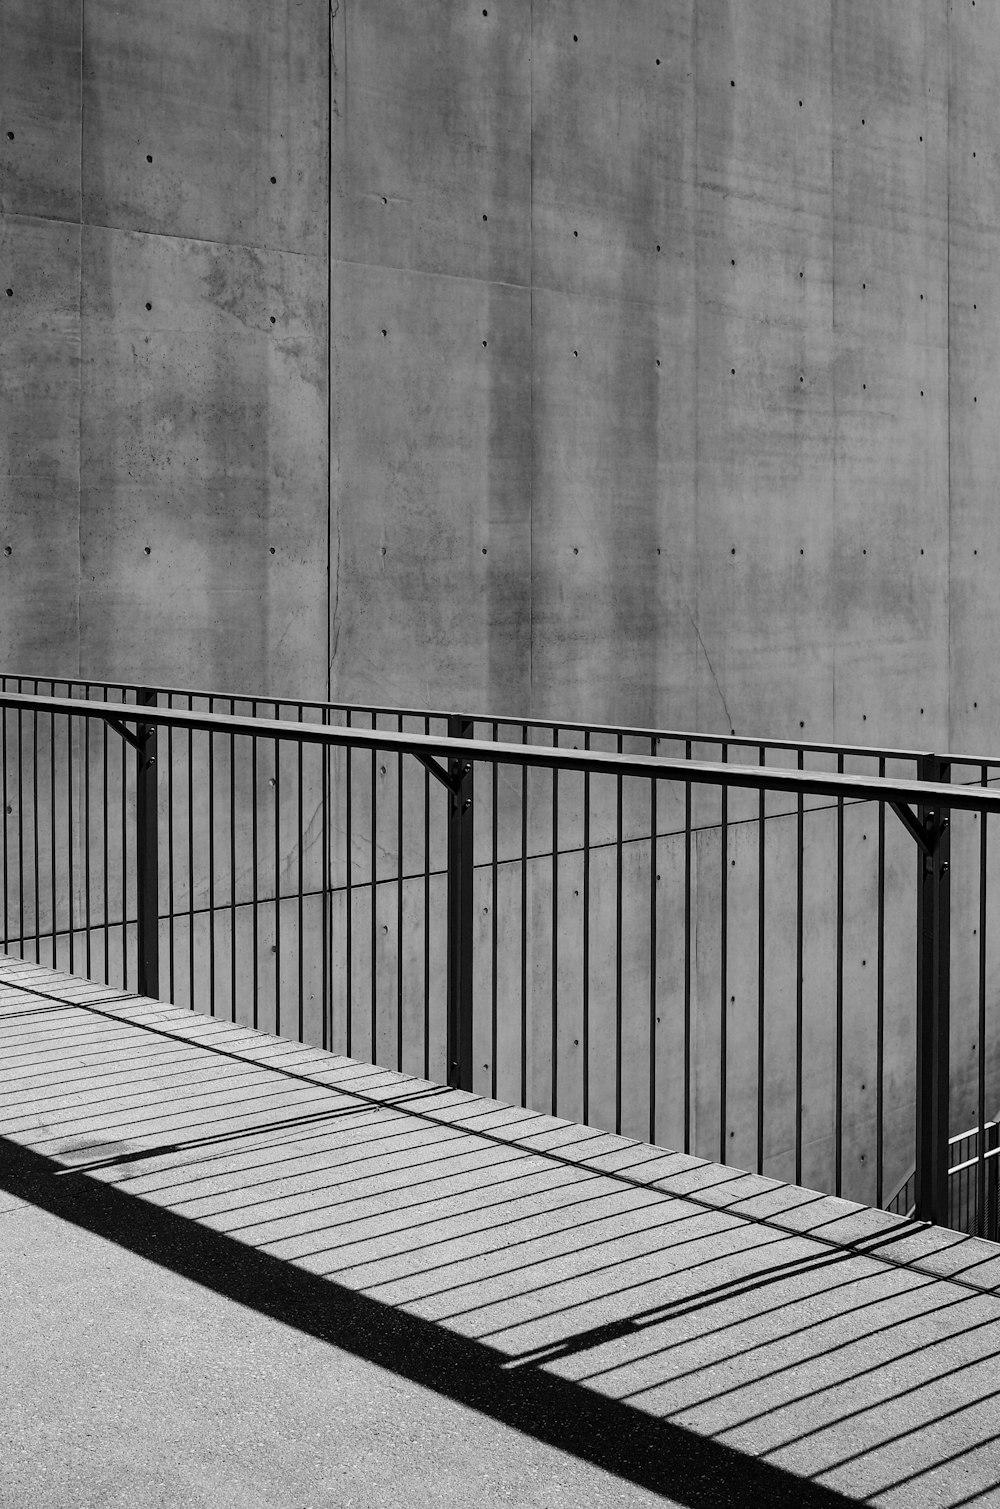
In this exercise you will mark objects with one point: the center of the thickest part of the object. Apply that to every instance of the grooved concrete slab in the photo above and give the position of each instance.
(243, 1271)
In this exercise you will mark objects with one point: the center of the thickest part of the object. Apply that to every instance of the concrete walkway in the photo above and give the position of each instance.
(242, 1272)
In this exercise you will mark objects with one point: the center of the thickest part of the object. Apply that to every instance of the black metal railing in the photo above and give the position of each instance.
(973, 1184)
(722, 955)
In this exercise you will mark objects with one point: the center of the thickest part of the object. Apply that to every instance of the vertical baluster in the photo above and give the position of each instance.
(38, 898)
(761, 943)
(724, 968)
(427, 914)
(87, 906)
(653, 877)
(255, 895)
(299, 820)
(586, 938)
(619, 888)
(554, 1003)
(326, 911)
(233, 976)
(6, 830)
(277, 879)
(799, 917)
(349, 897)
(687, 956)
(105, 829)
(880, 1005)
(191, 872)
(373, 832)
(524, 924)
(71, 913)
(495, 909)
(211, 866)
(53, 859)
(171, 896)
(980, 1226)
(838, 1131)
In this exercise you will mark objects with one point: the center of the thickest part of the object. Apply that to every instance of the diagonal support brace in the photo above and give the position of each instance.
(449, 779)
(126, 733)
(913, 826)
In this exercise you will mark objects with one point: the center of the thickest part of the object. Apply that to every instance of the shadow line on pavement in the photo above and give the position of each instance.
(658, 1455)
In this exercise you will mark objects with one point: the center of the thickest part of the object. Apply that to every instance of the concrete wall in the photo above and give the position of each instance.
(164, 403)
(683, 412)
(724, 460)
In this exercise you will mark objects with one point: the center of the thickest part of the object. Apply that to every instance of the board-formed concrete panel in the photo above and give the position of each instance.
(890, 223)
(764, 367)
(39, 442)
(430, 489)
(203, 510)
(208, 120)
(755, 197)
(974, 379)
(431, 137)
(40, 121)
(611, 151)
(613, 620)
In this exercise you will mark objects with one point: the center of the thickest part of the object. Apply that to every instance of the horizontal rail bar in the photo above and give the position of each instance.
(545, 757)
(992, 1152)
(611, 730)
(970, 1132)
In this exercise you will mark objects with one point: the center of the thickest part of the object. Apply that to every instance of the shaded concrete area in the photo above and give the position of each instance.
(244, 1271)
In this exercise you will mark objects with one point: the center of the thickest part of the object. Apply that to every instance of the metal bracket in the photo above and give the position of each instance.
(126, 733)
(913, 826)
(453, 780)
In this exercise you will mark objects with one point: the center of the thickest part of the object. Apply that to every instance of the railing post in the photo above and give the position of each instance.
(933, 1003)
(147, 859)
(460, 880)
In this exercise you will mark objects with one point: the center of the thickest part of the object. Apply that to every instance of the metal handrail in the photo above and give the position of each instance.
(920, 804)
(540, 756)
(562, 725)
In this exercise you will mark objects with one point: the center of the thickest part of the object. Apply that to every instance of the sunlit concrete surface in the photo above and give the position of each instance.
(239, 1271)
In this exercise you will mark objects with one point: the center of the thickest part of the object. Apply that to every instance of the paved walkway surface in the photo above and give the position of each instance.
(239, 1272)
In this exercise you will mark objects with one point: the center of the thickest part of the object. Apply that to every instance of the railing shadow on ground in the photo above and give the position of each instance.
(370, 1153)
(617, 1437)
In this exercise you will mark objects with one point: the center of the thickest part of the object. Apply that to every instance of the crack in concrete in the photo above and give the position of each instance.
(711, 667)
(335, 604)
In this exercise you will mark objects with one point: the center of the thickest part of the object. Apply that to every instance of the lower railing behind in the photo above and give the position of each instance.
(973, 1184)
(727, 958)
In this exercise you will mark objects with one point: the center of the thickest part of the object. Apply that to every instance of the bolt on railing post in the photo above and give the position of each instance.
(933, 1003)
(460, 881)
(147, 858)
